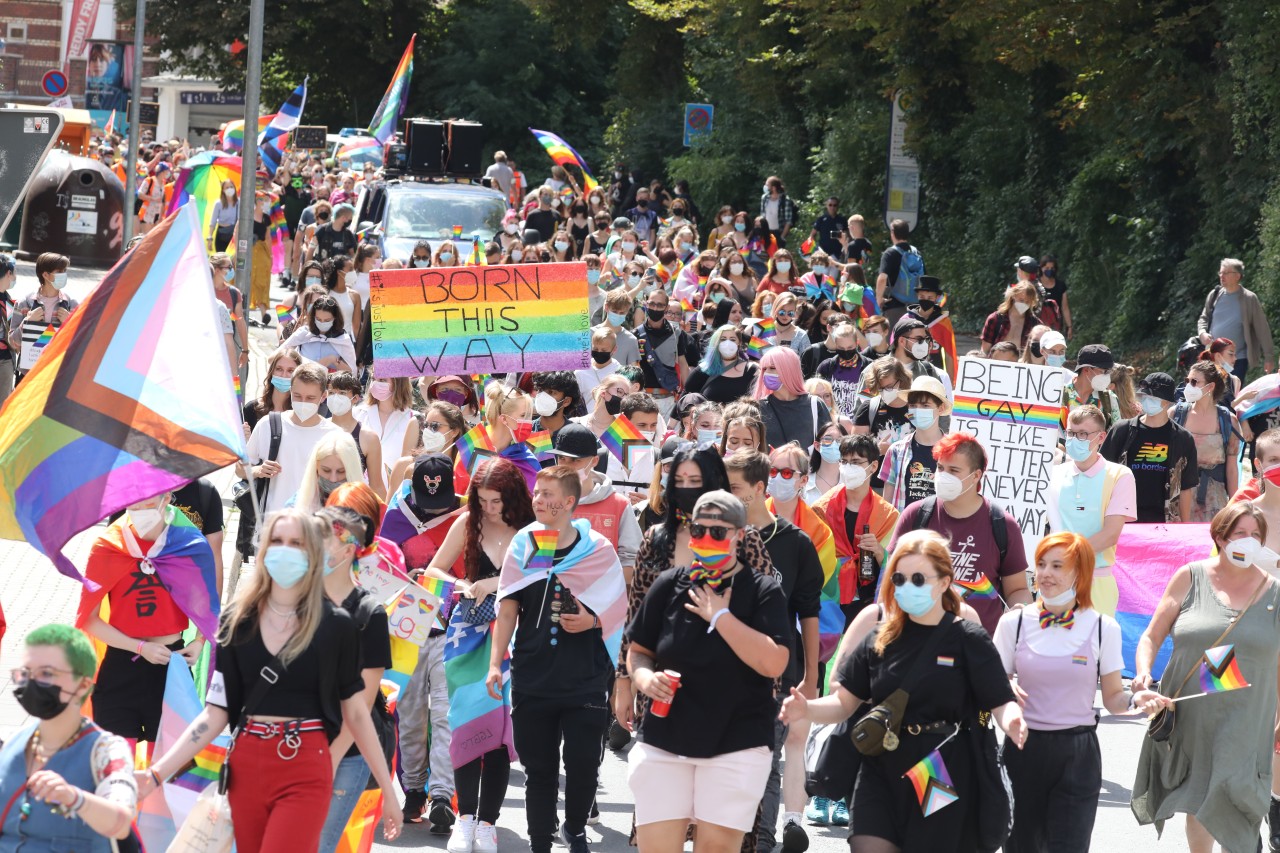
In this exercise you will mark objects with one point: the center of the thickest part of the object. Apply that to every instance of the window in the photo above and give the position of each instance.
(16, 33)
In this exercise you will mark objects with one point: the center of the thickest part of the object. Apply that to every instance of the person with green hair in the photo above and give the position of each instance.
(64, 780)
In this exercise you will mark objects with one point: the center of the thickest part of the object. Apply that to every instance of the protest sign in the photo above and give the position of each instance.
(412, 615)
(1013, 409)
(382, 585)
(480, 319)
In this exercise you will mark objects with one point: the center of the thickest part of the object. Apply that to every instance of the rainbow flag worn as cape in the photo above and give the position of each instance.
(1220, 670)
(621, 438)
(387, 116)
(934, 788)
(478, 721)
(590, 570)
(564, 155)
(132, 398)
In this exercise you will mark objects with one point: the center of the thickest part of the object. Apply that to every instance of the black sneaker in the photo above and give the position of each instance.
(414, 803)
(618, 736)
(577, 843)
(441, 816)
(794, 838)
(1273, 821)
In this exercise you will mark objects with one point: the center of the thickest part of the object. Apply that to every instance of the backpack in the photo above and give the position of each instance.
(1181, 410)
(909, 271)
(999, 530)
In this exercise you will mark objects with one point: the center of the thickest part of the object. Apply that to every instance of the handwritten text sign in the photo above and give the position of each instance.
(1014, 410)
(412, 615)
(480, 319)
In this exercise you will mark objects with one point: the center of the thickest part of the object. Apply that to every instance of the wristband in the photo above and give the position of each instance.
(715, 617)
(141, 643)
(1132, 701)
(156, 776)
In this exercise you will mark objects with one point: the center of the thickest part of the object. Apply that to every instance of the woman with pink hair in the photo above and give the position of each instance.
(789, 412)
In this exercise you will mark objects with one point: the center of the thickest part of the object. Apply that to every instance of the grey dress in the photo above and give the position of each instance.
(1217, 764)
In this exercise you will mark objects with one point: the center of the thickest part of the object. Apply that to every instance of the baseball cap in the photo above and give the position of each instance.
(722, 506)
(670, 447)
(907, 323)
(1093, 355)
(623, 223)
(432, 482)
(686, 403)
(1158, 385)
(1051, 338)
(575, 441)
(931, 386)
(1026, 263)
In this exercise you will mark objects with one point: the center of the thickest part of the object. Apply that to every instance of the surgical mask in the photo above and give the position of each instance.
(649, 434)
(706, 436)
(830, 452)
(561, 246)
(432, 442)
(852, 475)
(874, 339)
(42, 701)
(350, 278)
(517, 255)
(717, 298)
(584, 477)
(1100, 381)
(946, 486)
(445, 257)
(593, 276)
(616, 319)
(327, 486)
(228, 192)
(783, 490)
(312, 280)
(281, 384)
(339, 404)
(1064, 597)
(1153, 405)
(522, 430)
(920, 351)
(739, 226)
(380, 390)
(324, 325)
(1079, 449)
(1192, 393)
(725, 220)
(60, 280)
(145, 520)
(330, 565)
(921, 418)
(772, 381)
(633, 280)
(686, 248)
(510, 228)
(305, 411)
(889, 395)
(544, 404)
(286, 565)
(628, 245)
(1241, 552)
(230, 275)
(728, 350)
(914, 600)
(819, 271)
(736, 269)
(1021, 307)
(417, 263)
(1055, 359)
(783, 266)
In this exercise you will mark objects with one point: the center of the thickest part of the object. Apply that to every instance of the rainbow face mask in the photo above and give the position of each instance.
(712, 555)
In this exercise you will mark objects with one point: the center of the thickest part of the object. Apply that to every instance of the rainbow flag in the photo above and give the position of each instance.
(621, 437)
(101, 422)
(359, 144)
(457, 232)
(1029, 414)
(233, 133)
(687, 306)
(544, 543)
(1220, 670)
(934, 788)
(45, 337)
(477, 257)
(664, 275)
(441, 589)
(807, 246)
(283, 313)
(235, 386)
(756, 347)
(111, 125)
(361, 829)
(474, 446)
(479, 722)
(563, 154)
(767, 329)
(387, 116)
(942, 333)
(200, 181)
(982, 588)
(540, 445)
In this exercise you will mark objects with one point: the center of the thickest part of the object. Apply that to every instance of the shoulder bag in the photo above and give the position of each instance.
(246, 498)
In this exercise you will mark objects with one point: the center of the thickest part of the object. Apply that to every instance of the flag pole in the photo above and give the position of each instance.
(135, 98)
(1206, 693)
(249, 155)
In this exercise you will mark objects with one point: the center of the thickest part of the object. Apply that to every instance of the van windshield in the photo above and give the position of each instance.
(433, 214)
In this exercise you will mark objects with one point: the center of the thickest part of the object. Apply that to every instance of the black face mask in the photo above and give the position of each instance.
(613, 405)
(600, 357)
(1035, 349)
(656, 315)
(928, 304)
(642, 204)
(685, 497)
(845, 355)
(42, 701)
(1049, 273)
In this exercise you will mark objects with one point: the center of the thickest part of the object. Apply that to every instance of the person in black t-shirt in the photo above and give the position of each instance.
(666, 353)
(828, 229)
(958, 673)
(856, 246)
(1160, 453)
(725, 631)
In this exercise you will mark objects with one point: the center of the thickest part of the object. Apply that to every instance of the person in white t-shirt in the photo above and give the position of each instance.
(604, 343)
(301, 429)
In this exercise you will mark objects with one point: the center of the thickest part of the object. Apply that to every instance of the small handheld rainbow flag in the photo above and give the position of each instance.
(756, 347)
(1220, 671)
(544, 543)
(766, 329)
(982, 588)
(539, 444)
(441, 589)
(283, 313)
(687, 306)
(807, 246)
(476, 258)
(934, 788)
(457, 232)
(235, 384)
(475, 445)
(621, 438)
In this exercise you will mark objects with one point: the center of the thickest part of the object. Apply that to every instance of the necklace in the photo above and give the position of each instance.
(772, 533)
(38, 755)
(286, 614)
(830, 482)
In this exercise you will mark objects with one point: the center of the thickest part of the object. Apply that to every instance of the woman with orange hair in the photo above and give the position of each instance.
(1055, 653)
(951, 672)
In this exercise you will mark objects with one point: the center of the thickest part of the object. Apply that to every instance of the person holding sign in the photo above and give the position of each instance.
(1093, 497)
(38, 317)
(988, 556)
(1214, 765)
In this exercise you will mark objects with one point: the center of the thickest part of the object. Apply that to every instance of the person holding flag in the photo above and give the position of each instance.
(1223, 614)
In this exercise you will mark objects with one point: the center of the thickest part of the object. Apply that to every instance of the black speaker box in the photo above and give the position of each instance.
(466, 139)
(426, 146)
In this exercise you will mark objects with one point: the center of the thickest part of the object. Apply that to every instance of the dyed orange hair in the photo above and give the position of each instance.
(933, 547)
(1077, 554)
(362, 499)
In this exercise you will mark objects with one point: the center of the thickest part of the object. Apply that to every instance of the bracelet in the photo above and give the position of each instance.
(1132, 701)
(156, 776)
(715, 617)
(141, 643)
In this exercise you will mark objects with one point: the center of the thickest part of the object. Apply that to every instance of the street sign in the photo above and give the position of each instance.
(697, 121)
(25, 137)
(902, 188)
(54, 83)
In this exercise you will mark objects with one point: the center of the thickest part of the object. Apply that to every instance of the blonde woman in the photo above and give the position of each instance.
(334, 460)
(388, 413)
(786, 307)
(281, 623)
(608, 403)
(508, 419)
(1014, 319)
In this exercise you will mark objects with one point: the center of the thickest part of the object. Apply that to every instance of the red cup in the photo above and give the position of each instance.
(661, 709)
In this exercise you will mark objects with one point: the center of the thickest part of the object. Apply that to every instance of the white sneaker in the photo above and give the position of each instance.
(486, 838)
(463, 837)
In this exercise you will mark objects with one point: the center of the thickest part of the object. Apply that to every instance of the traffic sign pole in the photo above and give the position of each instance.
(131, 160)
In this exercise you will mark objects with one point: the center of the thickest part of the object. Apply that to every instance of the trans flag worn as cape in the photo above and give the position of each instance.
(132, 398)
(591, 571)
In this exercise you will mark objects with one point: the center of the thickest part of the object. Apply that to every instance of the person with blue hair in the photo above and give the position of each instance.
(725, 373)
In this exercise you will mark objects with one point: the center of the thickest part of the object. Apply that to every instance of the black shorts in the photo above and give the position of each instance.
(129, 694)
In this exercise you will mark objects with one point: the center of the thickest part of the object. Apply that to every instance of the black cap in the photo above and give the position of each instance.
(907, 323)
(1095, 355)
(1158, 385)
(669, 448)
(531, 237)
(575, 441)
(931, 283)
(432, 482)
(1026, 263)
(686, 403)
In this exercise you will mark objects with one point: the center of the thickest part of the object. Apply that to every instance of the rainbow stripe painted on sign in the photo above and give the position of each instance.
(45, 337)
(934, 788)
(544, 554)
(492, 319)
(1220, 671)
(986, 409)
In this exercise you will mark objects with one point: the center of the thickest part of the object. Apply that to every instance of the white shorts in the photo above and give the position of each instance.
(724, 790)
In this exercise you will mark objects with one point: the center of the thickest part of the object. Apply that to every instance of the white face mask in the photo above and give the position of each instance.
(736, 269)
(1267, 560)
(946, 486)
(228, 192)
(1192, 393)
(628, 246)
(783, 490)
(725, 220)
(874, 339)
(305, 411)
(517, 255)
(145, 520)
(728, 349)
(853, 476)
(783, 266)
(888, 395)
(544, 404)
(1241, 552)
(510, 228)
(649, 435)
(349, 277)
(1100, 382)
(561, 246)
(339, 404)
(432, 442)
(324, 325)
(1064, 597)
(1021, 307)
(920, 351)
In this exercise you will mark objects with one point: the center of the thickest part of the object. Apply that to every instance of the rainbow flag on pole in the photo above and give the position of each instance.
(539, 444)
(934, 788)
(621, 437)
(387, 116)
(545, 549)
(474, 446)
(1220, 670)
(181, 706)
(476, 258)
(563, 154)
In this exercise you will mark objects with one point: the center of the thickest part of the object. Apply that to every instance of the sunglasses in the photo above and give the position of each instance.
(785, 314)
(917, 579)
(716, 531)
(785, 473)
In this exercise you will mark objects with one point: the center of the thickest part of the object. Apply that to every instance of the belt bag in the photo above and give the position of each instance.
(877, 732)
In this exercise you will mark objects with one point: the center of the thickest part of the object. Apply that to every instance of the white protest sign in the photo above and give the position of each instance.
(1014, 410)
(414, 612)
(382, 585)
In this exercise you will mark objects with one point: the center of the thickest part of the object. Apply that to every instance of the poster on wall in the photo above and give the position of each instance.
(108, 78)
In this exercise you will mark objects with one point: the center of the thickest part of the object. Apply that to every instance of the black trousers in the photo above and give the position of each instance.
(1056, 778)
(481, 785)
(540, 725)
